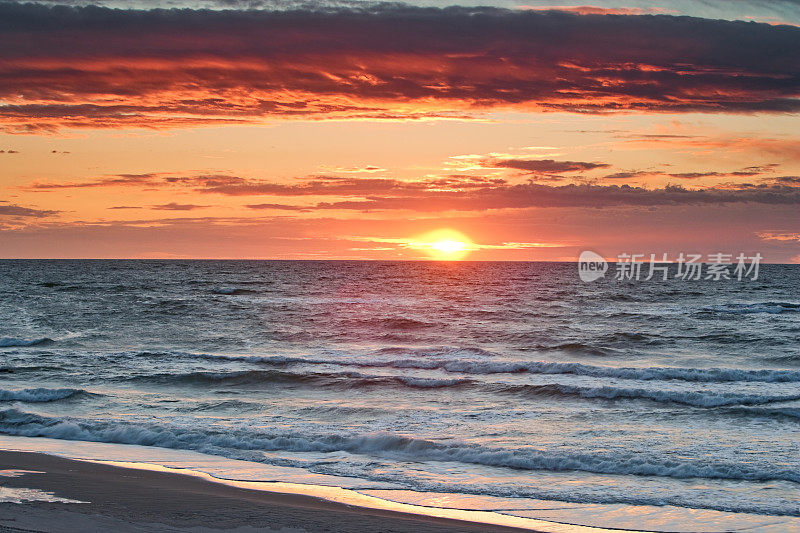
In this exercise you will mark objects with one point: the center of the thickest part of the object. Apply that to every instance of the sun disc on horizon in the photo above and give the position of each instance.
(444, 245)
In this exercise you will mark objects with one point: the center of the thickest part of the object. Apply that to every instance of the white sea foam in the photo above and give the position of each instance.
(391, 446)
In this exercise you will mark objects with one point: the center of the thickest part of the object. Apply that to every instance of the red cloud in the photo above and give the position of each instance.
(178, 68)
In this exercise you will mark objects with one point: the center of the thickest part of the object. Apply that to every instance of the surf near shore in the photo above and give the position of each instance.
(41, 492)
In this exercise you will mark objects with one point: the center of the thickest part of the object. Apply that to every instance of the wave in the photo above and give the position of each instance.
(40, 395)
(635, 373)
(29, 368)
(232, 444)
(788, 358)
(624, 337)
(763, 307)
(356, 380)
(578, 348)
(8, 342)
(223, 405)
(768, 412)
(690, 398)
(482, 367)
(333, 379)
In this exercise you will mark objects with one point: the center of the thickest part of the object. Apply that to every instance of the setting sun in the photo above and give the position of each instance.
(444, 245)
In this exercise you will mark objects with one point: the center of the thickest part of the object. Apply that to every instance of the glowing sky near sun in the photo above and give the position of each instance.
(353, 132)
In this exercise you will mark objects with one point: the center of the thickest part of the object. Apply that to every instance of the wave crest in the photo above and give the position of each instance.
(40, 395)
(9, 342)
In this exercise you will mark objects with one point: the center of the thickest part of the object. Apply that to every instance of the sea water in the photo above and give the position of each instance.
(495, 384)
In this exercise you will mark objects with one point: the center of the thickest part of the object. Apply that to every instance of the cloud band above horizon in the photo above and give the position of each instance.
(180, 68)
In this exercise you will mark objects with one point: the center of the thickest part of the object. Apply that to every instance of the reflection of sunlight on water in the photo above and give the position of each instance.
(617, 516)
(20, 495)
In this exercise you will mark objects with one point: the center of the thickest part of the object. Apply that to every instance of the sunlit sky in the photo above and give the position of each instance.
(356, 132)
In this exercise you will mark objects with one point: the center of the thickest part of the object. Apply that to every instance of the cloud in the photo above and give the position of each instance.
(346, 186)
(105, 181)
(784, 236)
(19, 211)
(456, 192)
(283, 207)
(745, 172)
(628, 175)
(172, 206)
(237, 186)
(543, 166)
(183, 68)
(535, 195)
(473, 193)
(368, 169)
(790, 181)
(785, 149)
(284, 236)
(472, 246)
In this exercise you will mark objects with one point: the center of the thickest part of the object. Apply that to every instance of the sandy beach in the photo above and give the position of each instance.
(133, 500)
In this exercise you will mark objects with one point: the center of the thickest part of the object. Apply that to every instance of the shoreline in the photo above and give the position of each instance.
(145, 497)
(117, 484)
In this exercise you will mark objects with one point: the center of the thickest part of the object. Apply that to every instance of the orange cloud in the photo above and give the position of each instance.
(164, 69)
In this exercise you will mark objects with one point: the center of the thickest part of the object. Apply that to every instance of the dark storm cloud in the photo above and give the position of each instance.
(97, 67)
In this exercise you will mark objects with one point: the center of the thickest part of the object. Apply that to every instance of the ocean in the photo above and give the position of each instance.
(513, 387)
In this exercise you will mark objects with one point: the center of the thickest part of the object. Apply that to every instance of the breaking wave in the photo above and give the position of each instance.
(232, 443)
(40, 395)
